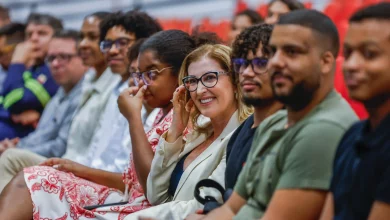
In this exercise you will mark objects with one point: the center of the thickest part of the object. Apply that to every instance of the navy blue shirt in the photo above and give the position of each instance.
(176, 175)
(237, 151)
(361, 173)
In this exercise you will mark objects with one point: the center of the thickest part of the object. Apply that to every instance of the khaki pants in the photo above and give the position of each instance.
(13, 160)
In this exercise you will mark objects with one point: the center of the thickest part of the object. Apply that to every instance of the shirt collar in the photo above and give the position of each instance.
(331, 98)
(121, 87)
(371, 139)
(101, 84)
(76, 90)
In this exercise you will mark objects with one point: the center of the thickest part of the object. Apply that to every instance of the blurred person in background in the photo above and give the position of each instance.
(52, 132)
(241, 21)
(10, 35)
(111, 127)
(110, 146)
(89, 49)
(98, 84)
(29, 84)
(4, 16)
(118, 32)
(276, 8)
(361, 172)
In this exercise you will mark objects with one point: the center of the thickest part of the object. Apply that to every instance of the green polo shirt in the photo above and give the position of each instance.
(299, 157)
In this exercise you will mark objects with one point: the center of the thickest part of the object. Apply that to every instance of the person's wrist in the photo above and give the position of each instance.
(18, 59)
(134, 115)
(82, 172)
(173, 135)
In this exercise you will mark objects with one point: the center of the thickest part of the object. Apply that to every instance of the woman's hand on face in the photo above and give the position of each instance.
(130, 101)
(181, 114)
(66, 166)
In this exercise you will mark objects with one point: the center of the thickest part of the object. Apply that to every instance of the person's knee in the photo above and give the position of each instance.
(18, 181)
(10, 153)
(8, 158)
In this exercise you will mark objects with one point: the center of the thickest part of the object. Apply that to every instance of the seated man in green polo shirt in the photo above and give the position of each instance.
(288, 170)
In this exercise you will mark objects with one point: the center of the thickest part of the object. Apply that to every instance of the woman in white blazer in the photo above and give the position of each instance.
(211, 102)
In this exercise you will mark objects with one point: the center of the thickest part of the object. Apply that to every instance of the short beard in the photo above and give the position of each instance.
(299, 97)
(257, 102)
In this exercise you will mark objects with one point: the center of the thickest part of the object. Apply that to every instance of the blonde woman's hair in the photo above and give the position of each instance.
(221, 54)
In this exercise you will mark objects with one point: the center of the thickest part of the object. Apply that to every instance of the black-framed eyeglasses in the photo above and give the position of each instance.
(209, 80)
(120, 43)
(258, 64)
(147, 76)
(61, 57)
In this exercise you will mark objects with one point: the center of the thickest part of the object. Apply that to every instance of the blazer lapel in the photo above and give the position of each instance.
(230, 127)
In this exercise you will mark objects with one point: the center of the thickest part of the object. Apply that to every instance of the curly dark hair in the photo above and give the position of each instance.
(249, 40)
(137, 22)
(132, 53)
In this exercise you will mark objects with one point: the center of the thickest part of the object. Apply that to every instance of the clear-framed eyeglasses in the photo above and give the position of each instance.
(148, 76)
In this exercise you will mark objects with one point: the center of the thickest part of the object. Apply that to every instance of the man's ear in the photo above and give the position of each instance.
(328, 62)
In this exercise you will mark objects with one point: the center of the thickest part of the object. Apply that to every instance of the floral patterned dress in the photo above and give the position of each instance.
(58, 195)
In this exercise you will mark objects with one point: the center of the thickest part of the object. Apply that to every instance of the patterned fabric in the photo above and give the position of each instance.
(60, 195)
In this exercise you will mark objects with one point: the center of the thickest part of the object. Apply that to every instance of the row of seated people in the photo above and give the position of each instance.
(30, 85)
(205, 94)
(22, 103)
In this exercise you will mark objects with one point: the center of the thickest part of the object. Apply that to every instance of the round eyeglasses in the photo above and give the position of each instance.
(120, 44)
(259, 65)
(147, 76)
(209, 80)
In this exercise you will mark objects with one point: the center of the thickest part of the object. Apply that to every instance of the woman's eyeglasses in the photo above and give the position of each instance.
(209, 80)
(120, 44)
(147, 76)
(259, 65)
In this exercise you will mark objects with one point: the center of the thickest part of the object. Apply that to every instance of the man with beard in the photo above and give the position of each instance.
(288, 170)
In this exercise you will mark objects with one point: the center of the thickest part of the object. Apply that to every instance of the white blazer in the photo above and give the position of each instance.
(211, 163)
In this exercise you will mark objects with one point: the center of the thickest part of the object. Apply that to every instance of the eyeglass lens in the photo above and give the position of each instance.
(209, 80)
(259, 65)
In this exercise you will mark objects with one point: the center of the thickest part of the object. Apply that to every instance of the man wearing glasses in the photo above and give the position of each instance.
(10, 36)
(110, 145)
(118, 32)
(49, 139)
